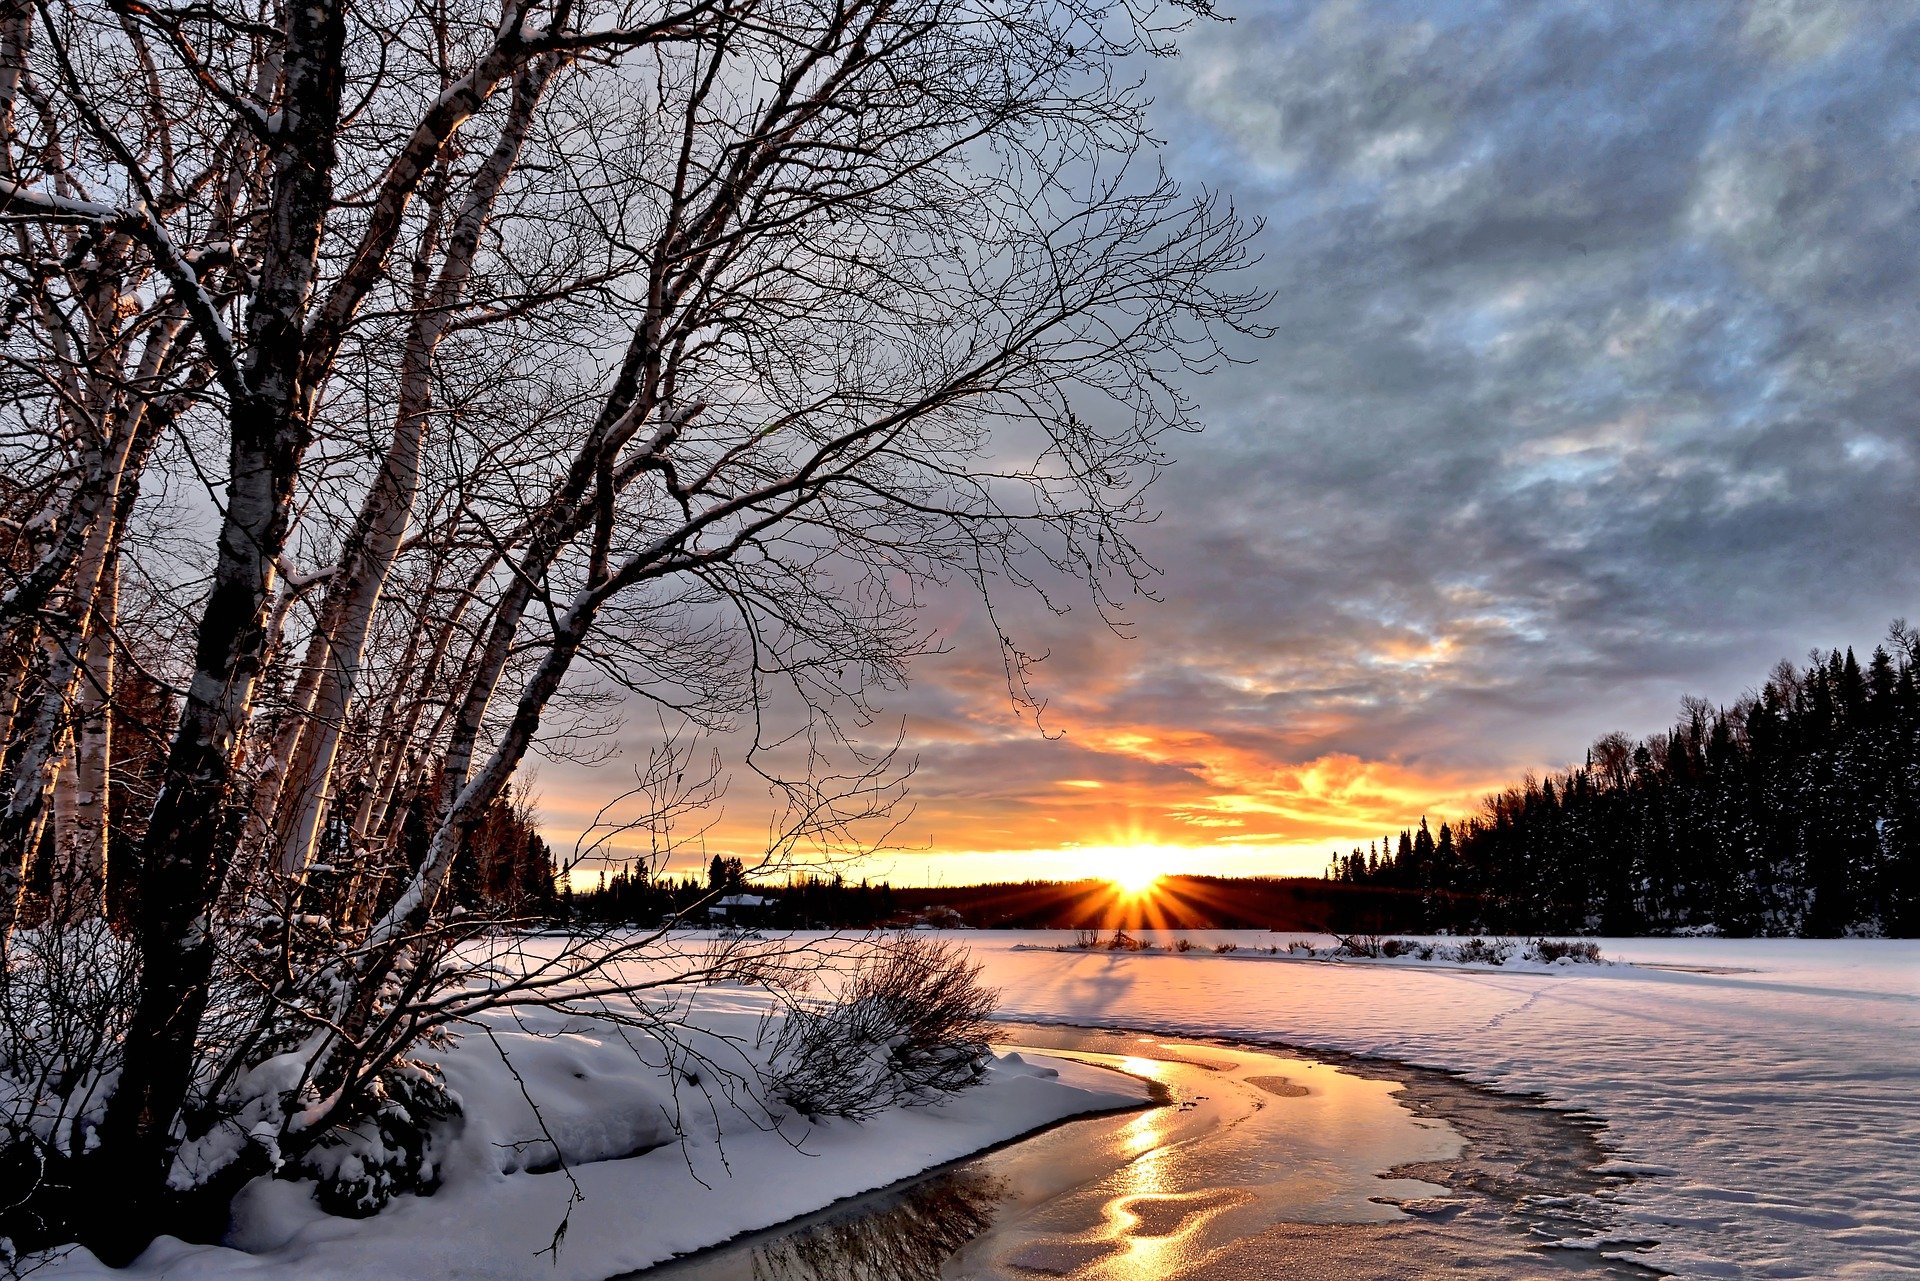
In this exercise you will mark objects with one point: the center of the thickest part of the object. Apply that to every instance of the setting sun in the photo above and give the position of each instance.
(1132, 871)
(1131, 866)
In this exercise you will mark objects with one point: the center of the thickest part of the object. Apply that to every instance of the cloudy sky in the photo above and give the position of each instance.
(1595, 381)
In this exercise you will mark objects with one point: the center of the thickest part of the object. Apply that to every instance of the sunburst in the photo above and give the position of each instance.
(1133, 870)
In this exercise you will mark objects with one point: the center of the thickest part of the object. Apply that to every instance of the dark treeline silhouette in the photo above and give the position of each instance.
(1305, 903)
(639, 896)
(1179, 902)
(1795, 811)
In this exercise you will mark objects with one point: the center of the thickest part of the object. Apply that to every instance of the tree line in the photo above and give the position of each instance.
(1793, 811)
(638, 896)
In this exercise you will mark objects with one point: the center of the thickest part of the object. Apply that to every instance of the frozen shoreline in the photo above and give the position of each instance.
(1761, 1090)
(496, 1214)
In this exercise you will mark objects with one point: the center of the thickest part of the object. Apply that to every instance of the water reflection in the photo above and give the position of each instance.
(1260, 1164)
(903, 1236)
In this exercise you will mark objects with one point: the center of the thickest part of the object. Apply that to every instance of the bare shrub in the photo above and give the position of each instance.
(1484, 951)
(1086, 940)
(909, 1027)
(1183, 945)
(1584, 951)
(63, 1009)
(1124, 942)
(1300, 947)
(1367, 945)
(1221, 949)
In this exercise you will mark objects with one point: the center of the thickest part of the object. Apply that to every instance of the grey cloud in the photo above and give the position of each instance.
(1597, 350)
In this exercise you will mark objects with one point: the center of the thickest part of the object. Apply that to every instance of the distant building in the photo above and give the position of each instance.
(741, 909)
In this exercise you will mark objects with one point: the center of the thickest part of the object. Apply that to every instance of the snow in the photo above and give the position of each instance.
(1764, 1093)
(1765, 1089)
(609, 1097)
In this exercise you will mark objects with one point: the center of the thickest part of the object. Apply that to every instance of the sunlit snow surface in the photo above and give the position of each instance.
(1768, 1093)
(1775, 1108)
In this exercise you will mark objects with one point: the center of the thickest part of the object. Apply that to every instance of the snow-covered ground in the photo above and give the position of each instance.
(1774, 1108)
(1769, 1092)
(606, 1093)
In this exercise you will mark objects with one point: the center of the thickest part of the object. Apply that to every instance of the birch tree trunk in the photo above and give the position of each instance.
(80, 846)
(190, 833)
(76, 667)
(337, 644)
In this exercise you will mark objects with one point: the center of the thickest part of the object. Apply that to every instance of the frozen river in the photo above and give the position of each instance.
(1257, 1163)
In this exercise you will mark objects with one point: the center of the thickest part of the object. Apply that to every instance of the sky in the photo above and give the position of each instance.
(1593, 383)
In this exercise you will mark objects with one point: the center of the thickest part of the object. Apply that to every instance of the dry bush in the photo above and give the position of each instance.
(1484, 951)
(63, 1009)
(1585, 951)
(909, 1028)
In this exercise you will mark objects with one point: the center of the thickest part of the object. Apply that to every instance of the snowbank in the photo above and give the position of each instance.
(1490, 953)
(610, 1101)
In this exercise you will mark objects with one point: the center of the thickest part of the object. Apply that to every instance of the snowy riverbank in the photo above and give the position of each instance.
(1764, 1091)
(629, 1195)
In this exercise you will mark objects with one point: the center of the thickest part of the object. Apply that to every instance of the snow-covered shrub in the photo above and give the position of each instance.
(1183, 945)
(360, 1167)
(1300, 947)
(1483, 951)
(909, 1027)
(1366, 945)
(64, 1005)
(1221, 949)
(1584, 951)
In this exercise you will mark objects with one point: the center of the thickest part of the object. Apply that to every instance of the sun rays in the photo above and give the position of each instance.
(1133, 870)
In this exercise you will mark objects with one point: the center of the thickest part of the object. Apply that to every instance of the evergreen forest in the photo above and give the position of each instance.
(1794, 811)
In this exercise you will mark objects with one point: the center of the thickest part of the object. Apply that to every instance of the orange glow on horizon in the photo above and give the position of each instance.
(1264, 766)
(1157, 802)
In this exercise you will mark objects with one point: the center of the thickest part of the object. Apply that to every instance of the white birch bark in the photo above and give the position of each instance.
(338, 645)
(80, 843)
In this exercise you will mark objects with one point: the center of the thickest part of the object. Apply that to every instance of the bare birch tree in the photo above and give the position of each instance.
(559, 351)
